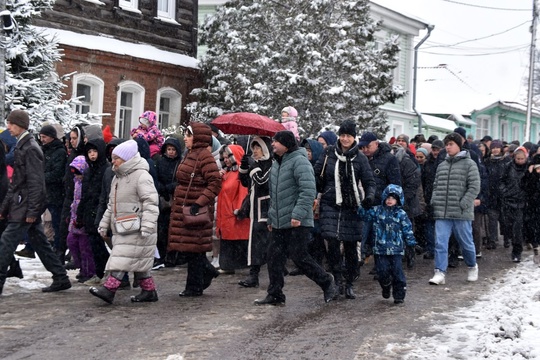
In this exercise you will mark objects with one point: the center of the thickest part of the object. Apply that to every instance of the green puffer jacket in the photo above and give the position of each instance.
(292, 190)
(457, 184)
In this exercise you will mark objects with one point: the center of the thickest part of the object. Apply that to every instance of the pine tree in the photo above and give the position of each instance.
(318, 56)
(32, 83)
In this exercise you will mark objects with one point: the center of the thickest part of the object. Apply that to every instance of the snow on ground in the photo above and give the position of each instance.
(503, 324)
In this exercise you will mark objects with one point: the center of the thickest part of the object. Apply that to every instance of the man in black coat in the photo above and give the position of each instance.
(24, 204)
(55, 156)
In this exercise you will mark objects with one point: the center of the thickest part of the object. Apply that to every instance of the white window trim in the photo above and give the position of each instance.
(97, 2)
(168, 15)
(132, 6)
(97, 86)
(505, 134)
(138, 103)
(175, 116)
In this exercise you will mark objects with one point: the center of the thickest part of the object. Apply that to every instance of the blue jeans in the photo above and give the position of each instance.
(14, 233)
(462, 230)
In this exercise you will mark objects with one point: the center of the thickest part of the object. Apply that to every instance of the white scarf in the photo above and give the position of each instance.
(339, 197)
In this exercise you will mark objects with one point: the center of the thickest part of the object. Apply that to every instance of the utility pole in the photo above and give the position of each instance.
(531, 72)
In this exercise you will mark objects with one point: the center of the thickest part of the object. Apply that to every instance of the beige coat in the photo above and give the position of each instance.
(133, 191)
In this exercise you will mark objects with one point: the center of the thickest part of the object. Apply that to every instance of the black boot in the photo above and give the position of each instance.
(349, 292)
(14, 269)
(339, 283)
(210, 273)
(251, 281)
(103, 293)
(145, 296)
(58, 285)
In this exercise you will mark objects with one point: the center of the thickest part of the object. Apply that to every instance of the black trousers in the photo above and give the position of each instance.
(292, 243)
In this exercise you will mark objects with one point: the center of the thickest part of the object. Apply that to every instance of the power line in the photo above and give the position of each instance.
(479, 54)
(480, 38)
(485, 7)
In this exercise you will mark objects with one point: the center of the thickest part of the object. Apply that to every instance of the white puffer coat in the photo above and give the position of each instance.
(133, 191)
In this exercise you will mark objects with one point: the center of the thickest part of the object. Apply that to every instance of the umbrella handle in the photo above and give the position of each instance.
(247, 144)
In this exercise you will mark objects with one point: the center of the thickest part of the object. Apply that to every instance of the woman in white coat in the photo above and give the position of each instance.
(134, 242)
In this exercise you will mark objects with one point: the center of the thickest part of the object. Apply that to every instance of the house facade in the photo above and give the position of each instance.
(401, 117)
(123, 57)
(506, 120)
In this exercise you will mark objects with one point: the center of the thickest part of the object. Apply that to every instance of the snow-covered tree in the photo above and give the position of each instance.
(318, 56)
(32, 83)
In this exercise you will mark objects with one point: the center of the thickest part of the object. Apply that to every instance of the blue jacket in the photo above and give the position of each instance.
(391, 226)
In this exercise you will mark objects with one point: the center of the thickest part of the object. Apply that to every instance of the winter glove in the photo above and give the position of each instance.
(145, 234)
(245, 162)
(78, 224)
(367, 203)
(194, 210)
(102, 232)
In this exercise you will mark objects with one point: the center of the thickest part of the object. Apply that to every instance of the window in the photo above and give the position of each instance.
(504, 131)
(482, 127)
(166, 9)
(129, 5)
(515, 132)
(88, 89)
(130, 105)
(169, 107)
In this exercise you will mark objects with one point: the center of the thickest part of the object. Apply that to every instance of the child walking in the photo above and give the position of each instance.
(392, 231)
(78, 241)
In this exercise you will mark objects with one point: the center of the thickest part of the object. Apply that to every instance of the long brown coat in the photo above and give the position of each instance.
(204, 189)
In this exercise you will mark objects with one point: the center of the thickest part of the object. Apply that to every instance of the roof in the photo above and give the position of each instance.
(437, 122)
(110, 45)
(510, 105)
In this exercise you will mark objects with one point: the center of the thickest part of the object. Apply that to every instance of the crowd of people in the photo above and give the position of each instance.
(115, 207)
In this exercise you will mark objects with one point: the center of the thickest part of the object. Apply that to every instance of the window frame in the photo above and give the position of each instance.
(97, 87)
(171, 14)
(129, 5)
(175, 116)
(138, 92)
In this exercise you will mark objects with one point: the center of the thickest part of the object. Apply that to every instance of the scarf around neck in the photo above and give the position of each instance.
(345, 162)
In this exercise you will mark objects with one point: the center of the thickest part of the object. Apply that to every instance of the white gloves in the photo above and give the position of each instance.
(102, 232)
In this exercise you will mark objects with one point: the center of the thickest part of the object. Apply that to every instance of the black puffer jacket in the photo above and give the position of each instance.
(55, 166)
(106, 182)
(385, 169)
(166, 169)
(410, 177)
(343, 222)
(513, 196)
(495, 167)
(91, 187)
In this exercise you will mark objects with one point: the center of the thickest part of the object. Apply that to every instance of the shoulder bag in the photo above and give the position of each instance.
(125, 224)
(202, 218)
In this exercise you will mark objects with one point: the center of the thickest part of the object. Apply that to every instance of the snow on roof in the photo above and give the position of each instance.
(440, 123)
(107, 44)
(517, 106)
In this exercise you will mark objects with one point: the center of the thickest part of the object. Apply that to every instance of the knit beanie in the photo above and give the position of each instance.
(126, 150)
(496, 144)
(524, 149)
(19, 118)
(455, 137)
(461, 131)
(329, 136)
(49, 131)
(423, 151)
(403, 137)
(290, 111)
(437, 144)
(93, 132)
(348, 127)
(285, 138)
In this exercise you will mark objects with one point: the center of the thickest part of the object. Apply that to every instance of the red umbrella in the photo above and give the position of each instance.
(244, 123)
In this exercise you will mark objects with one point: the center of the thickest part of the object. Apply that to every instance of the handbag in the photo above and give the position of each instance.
(202, 218)
(125, 224)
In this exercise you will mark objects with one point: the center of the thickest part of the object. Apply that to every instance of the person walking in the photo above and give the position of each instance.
(132, 193)
(256, 178)
(25, 203)
(456, 186)
(343, 167)
(392, 234)
(290, 217)
(199, 183)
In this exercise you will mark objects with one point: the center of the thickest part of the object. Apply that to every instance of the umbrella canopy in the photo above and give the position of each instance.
(244, 123)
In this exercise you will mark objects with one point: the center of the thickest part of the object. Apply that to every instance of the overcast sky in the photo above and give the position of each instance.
(478, 72)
